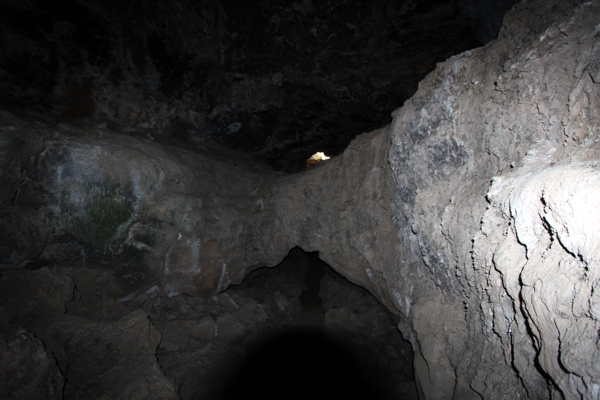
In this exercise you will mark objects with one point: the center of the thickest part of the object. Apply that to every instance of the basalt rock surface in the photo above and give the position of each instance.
(280, 80)
(130, 212)
(473, 217)
(495, 164)
(174, 346)
(127, 213)
(48, 353)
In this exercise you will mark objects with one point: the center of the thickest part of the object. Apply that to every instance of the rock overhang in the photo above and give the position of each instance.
(279, 81)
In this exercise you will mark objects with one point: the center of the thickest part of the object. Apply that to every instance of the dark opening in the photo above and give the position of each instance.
(322, 337)
(301, 364)
(309, 299)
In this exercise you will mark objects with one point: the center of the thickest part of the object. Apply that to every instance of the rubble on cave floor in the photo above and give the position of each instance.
(267, 303)
(194, 346)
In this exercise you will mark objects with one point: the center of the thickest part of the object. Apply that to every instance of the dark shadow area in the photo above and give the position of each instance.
(275, 80)
(299, 330)
(301, 364)
(309, 299)
(320, 337)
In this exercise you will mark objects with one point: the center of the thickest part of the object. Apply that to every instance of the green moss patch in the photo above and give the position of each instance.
(104, 220)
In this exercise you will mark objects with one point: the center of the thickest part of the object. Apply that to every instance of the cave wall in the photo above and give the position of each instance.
(473, 216)
(493, 219)
(133, 212)
(281, 80)
(495, 164)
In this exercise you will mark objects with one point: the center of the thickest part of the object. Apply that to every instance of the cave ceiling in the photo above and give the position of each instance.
(278, 80)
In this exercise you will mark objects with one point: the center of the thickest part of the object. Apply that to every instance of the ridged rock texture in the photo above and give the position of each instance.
(496, 169)
(474, 216)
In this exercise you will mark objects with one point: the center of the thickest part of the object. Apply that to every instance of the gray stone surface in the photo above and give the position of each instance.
(473, 218)
(28, 294)
(107, 359)
(281, 80)
(126, 213)
(517, 113)
(204, 363)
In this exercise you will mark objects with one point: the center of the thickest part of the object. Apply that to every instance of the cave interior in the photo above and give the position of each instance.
(162, 214)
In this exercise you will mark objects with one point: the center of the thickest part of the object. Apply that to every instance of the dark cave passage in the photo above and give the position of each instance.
(302, 364)
(324, 337)
(310, 299)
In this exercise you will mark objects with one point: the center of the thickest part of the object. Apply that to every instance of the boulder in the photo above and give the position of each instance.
(111, 359)
(30, 369)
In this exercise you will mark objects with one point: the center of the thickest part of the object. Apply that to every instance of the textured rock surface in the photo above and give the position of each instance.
(47, 354)
(473, 217)
(278, 79)
(253, 314)
(501, 277)
(177, 346)
(112, 359)
(30, 370)
(132, 212)
(341, 208)
(26, 295)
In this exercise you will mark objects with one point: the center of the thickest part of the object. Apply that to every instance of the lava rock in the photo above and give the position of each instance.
(26, 295)
(115, 359)
(30, 370)
(277, 80)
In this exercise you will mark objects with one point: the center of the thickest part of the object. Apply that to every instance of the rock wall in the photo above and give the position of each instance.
(47, 354)
(495, 164)
(132, 210)
(278, 79)
(473, 216)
